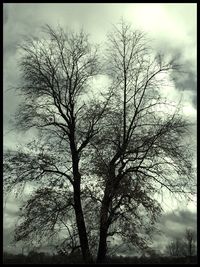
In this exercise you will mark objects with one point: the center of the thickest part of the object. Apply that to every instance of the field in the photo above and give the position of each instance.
(43, 258)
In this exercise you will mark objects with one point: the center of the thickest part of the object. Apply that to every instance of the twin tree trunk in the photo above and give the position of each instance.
(104, 225)
(104, 215)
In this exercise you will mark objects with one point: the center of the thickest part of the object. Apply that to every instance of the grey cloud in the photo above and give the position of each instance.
(187, 82)
(185, 217)
(12, 211)
(10, 218)
(5, 14)
(9, 244)
(7, 239)
(186, 78)
(173, 225)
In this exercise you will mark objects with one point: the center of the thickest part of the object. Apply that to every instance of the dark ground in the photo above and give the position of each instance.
(43, 258)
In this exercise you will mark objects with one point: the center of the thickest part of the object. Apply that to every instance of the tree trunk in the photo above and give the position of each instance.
(104, 225)
(102, 245)
(87, 257)
(104, 215)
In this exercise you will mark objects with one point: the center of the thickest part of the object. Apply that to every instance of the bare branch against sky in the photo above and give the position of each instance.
(171, 31)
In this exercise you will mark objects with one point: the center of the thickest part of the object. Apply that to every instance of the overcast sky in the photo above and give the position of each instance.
(172, 28)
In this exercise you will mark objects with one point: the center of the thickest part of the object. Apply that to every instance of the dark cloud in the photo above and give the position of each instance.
(187, 82)
(186, 79)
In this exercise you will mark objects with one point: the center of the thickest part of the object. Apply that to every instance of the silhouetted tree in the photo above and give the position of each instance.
(141, 149)
(57, 100)
(184, 246)
(98, 160)
(190, 242)
(175, 248)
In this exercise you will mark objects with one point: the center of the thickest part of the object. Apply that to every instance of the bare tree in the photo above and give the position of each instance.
(190, 241)
(175, 248)
(141, 149)
(130, 142)
(57, 70)
(184, 246)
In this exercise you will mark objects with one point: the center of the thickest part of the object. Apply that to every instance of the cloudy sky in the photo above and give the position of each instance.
(172, 29)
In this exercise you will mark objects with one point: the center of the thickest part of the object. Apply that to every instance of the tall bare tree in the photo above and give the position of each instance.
(190, 241)
(56, 73)
(175, 248)
(141, 149)
(131, 142)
